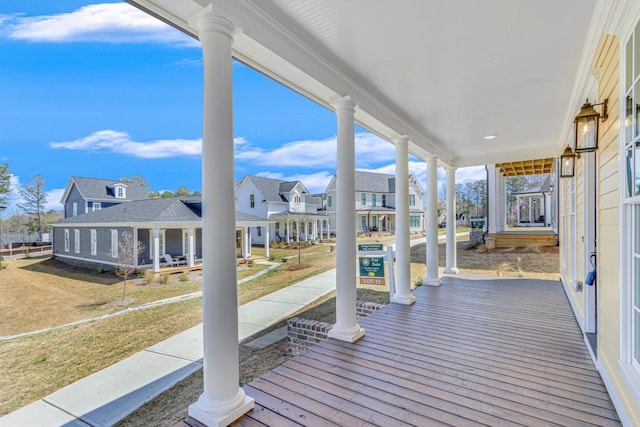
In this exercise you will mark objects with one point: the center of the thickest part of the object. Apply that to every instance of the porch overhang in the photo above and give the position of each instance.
(444, 86)
(527, 167)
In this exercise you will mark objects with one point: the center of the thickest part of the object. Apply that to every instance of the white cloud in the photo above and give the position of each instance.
(314, 182)
(121, 143)
(369, 148)
(105, 23)
(53, 199)
(473, 173)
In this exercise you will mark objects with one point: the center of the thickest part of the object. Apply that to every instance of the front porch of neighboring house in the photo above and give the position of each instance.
(300, 227)
(168, 248)
(379, 219)
(532, 217)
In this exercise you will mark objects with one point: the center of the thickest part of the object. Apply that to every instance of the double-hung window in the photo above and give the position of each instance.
(363, 199)
(631, 128)
(76, 241)
(114, 243)
(94, 243)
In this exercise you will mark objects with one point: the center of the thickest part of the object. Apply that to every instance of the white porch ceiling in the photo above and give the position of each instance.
(444, 73)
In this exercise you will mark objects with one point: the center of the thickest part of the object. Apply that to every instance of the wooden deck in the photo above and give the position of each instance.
(494, 352)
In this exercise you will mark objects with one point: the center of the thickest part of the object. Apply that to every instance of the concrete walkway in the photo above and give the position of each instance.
(106, 397)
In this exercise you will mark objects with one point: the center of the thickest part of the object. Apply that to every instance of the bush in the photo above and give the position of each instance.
(183, 277)
(418, 281)
(164, 278)
(250, 263)
(149, 277)
(101, 270)
(3, 265)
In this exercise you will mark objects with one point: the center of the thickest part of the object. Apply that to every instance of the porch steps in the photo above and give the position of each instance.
(522, 239)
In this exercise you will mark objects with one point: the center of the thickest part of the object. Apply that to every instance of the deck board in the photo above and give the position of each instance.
(472, 352)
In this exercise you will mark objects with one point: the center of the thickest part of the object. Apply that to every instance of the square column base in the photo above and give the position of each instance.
(404, 299)
(224, 420)
(432, 282)
(451, 270)
(346, 336)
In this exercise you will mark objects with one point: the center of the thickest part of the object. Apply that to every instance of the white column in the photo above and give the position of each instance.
(267, 240)
(156, 249)
(136, 244)
(451, 267)
(432, 222)
(315, 229)
(496, 207)
(287, 232)
(222, 400)
(297, 231)
(247, 242)
(403, 293)
(191, 257)
(321, 229)
(346, 327)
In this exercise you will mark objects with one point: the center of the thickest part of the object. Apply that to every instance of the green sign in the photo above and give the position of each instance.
(370, 247)
(371, 266)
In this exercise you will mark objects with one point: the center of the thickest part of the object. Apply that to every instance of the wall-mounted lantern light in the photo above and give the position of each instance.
(568, 163)
(586, 127)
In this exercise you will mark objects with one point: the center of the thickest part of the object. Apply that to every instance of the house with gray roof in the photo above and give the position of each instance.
(535, 206)
(84, 195)
(376, 201)
(296, 213)
(169, 231)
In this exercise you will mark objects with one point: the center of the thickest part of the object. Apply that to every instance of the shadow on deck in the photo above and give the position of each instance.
(472, 352)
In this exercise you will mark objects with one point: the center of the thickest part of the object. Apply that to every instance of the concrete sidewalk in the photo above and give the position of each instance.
(106, 397)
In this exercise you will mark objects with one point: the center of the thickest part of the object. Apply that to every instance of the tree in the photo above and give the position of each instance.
(5, 182)
(183, 191)
(128, 252)
(140, 180)
(34, 200)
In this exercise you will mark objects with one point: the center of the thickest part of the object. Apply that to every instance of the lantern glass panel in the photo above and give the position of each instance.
(629, 62)
(586, 133)
(567, 166)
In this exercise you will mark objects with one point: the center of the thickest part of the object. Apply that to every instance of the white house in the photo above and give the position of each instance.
(288, 203)
(375, 198)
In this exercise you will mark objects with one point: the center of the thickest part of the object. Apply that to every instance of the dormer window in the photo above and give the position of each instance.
(252, 200)
(296, 199)
(120, 191)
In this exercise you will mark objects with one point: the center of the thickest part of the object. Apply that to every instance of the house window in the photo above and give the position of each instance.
(414, 221)
(374, 221)
(259, 230)
(373, 199)
(76, 241)
(121, 192)
(114, 243)
(412, 199)
(363, 199)
(161, 240)
(631, 129)
(97, 206)
(296, 199)
(94, 243)
(329, 201)
(363, 223)
(66, 240)
(384, 200)
(252, 200)
(75, 209)
(185, 242)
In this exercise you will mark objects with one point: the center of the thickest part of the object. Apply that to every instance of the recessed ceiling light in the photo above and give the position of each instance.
(492, 136)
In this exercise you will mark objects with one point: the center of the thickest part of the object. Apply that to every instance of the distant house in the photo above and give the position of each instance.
(170, 230)
(294, 212)
(84, 195)
(375, 202)
(534, 207)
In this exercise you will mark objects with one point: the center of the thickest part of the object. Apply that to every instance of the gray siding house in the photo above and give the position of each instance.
(169, 230)
(84, 195)
(375, 198)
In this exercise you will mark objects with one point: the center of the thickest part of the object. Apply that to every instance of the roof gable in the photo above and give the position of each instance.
(103, 189)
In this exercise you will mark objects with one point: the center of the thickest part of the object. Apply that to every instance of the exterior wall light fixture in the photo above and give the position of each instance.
(568, 163)
(586, 127)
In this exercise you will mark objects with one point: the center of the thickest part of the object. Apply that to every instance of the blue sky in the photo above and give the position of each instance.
(103, 90)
